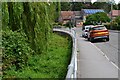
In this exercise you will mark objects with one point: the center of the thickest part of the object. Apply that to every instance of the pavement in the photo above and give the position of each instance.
(92, 62)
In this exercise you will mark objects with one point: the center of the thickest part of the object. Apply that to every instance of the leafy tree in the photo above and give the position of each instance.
(102, 17)
(77, 6)
(69, 24)
(66, 6)
(58, 9)
(102, 5)
(34, 20)
(97, 18)
(116, 23)
(15, 11)
(90, 19)
(118, 20)
(118, 6)
(5, 15)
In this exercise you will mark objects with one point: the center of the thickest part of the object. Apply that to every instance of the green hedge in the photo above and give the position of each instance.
(15, 50)
(69, 24)
(113, 27)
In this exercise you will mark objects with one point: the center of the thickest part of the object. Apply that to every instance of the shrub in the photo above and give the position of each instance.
(69, 24)
(108, 26)
(115, 27)
(59, 23)
(15, 50)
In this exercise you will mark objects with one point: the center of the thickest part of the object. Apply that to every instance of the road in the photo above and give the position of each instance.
(95, 59)
(110, 48)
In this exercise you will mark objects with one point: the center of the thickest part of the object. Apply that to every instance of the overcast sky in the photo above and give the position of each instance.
(116, 1)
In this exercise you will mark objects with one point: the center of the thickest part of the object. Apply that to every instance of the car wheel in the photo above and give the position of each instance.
(82, 35)
(91, 40)
(86, 36)
(88, 39)
(107, 39)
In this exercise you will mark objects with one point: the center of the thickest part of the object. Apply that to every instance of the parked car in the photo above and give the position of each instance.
(98, 32)
(85, 30)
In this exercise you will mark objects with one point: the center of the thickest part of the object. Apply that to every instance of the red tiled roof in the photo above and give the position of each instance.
(67, 14)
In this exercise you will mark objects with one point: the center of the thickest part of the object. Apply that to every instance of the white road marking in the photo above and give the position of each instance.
(115, 65)
(106, 56)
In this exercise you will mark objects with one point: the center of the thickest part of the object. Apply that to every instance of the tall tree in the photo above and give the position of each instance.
(119, 6)
(77, 6)
(99, 17)
(66, 6)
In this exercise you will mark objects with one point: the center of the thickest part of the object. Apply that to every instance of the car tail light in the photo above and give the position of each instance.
(92, 32)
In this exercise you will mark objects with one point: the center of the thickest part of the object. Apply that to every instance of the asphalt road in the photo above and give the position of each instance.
(92, 62)
(110, 48)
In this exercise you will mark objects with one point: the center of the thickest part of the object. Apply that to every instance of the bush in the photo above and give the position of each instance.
(59, 23)
(69, 24)
(87, 23)
(15, 50)
(115, 27)
(107, 26)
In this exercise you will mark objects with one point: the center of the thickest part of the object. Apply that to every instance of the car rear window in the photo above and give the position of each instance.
(99, 28)
(87, 27)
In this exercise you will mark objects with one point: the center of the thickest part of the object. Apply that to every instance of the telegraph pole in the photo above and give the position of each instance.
(111, 14)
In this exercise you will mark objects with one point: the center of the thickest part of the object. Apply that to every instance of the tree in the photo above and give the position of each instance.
(77, 6)
(119, 6)
(27, 28)
(97, 18)
(90, 19)
(116, 23)
(58, 9)
(66, 6)
(102, 17)
(118, 20)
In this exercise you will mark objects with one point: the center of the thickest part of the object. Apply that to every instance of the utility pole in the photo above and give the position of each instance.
(111, 14)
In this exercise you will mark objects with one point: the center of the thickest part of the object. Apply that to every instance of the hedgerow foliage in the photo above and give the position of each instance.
(15, 51)
(34, 20)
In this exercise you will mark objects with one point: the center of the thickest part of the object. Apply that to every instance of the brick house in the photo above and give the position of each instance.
(66, 16)
(114, 14)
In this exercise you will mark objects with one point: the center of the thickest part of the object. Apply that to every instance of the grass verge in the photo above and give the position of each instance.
(53, 64)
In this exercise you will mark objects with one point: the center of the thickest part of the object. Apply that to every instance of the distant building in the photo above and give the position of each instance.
(86, 12)
(114, 14)
(66, 16)
(78, 18)
(73, 16)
